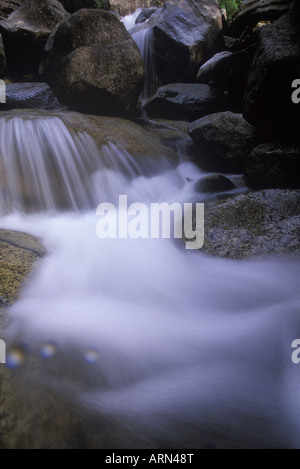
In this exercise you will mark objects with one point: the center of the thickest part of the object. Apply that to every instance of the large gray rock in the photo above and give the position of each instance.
(93, 65)
(254, 224)
(268, 97)
(25, 33)
(30, 96)
(185, 101)
(185, 35)
(252, 12)
(226, 137)
(273, 166)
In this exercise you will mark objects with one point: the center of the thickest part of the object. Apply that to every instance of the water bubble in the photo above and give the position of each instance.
(91, 356)
(15, 358)
(49, 350)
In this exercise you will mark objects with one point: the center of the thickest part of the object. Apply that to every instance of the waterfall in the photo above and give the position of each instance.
(147, 345)
(142, 34)
(45, 167)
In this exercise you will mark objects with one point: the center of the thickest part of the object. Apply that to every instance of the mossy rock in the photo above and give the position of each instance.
(18, 253)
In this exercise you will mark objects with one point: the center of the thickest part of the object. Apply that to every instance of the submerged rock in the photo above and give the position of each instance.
(30, 96)
(25, 33)
(18, 253)
(225, 136)
(214, 183)
(188, 101)
(93, 65)
(254, 224)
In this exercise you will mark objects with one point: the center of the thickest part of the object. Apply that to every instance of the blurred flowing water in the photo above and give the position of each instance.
(142, 34)
(151, 345)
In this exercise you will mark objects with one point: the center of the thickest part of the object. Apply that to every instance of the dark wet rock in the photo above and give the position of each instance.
(93, 65)
(2, 57)
(186, 34)
(214, 183)
(225, 136)
(30, 96)
(74, 5)
(273, 166)
(252, 12)
(145, 14)
(25, 33)
(254, 224)
(268, 98)
(228, 71)
(185, 101)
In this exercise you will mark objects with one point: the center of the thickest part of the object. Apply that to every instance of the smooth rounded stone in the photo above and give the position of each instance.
(188, 101)
(254, 224)
(93, 65)
(30, 96)
(18, 253)
(268, 98)
(252, 12)
(25, 33)
(145, 14)
(216, 68)
(226, 137)
(214, 183)
(2, 57)
(74, 5)
(273, 166)
(186, 34)
(127, 7)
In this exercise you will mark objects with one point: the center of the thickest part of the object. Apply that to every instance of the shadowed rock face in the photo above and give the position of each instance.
(185, 35)
(225, 136)
(25, 33)
(252, 12)
(93, 65)
(268, 97)
(18, 253)
(188, 101)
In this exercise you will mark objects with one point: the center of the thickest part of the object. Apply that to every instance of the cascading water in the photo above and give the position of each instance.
(142, 34)
(149, 345)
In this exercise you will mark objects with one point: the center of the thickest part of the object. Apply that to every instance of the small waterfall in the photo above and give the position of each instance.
(46, 167)
(143, 36)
